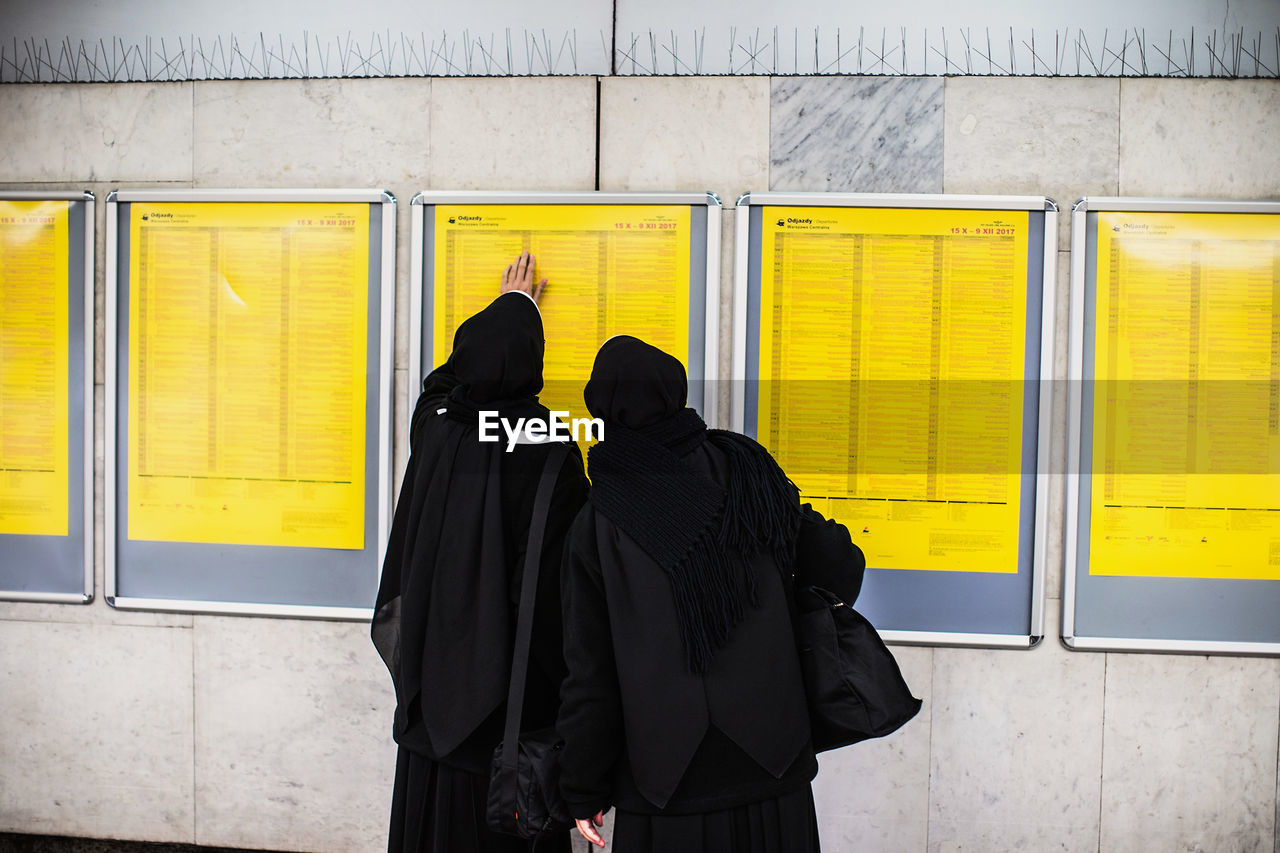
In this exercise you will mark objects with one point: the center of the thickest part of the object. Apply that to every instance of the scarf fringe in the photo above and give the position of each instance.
(701, 534)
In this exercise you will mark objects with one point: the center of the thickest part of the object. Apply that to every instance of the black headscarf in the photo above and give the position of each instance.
(697, 530)
(442, 616)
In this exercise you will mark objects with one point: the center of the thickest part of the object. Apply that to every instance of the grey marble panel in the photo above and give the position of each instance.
(293, 742)
(95, 733)
(1190, 753)
(856, 134)
(873, 797)
(1017, 748)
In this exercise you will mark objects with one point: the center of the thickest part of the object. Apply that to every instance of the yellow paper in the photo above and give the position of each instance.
(612, 269)
(1186, 426)
(248, 327)
(891, 360)
(34, 381)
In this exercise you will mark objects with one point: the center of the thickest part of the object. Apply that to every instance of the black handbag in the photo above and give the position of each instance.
(524, 777)
(853, 684)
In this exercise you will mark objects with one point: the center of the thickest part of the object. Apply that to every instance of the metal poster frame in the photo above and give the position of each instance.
(326, 565)
(419, 268)
(747, 250)
(1255, 601)
(79, 430)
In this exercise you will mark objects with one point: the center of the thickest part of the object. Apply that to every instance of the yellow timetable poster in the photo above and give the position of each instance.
(891, 365)
(612, 269)
(247, 343)
(34, 380)
(1186, 426)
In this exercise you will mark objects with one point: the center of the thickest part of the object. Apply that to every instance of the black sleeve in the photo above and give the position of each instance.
(826, 556)
(590, 718)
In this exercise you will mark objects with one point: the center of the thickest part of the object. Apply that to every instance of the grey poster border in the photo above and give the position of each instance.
(1079, 436)
(81, 214)
(382, 234)
(706, 242)
(747, 245)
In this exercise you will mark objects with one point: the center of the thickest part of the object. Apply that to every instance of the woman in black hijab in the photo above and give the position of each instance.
(446, 610)
(684, 706)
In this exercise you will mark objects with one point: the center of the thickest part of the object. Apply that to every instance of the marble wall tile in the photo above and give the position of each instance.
(293, 742)
(1017, 748)
(1200, 138)
(1032, 135)
(513, 133)
(689, 134)
(1190, 753)
(685, 133)
(1058, 437)
(87, 133)
(95, 735)
(873, 797)
(312, 133)
(856, 134)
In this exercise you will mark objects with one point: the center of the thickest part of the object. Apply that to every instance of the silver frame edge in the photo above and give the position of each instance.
(952, 639)
(109, 389)
(386, 380)
(1075, 402)
(711, 317)
(90, 269)
(1044, 417)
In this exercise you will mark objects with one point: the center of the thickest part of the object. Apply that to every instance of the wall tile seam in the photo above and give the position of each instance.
(1102, 752)
(83, 622)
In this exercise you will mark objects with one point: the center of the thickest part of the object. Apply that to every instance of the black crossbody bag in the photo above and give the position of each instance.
(853, 685)
(524, 777)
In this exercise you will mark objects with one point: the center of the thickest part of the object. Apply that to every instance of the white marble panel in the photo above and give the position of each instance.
(856, 134)
(292, 735)
(685, 133)
(100, 132)
(513, 133)
(312, 133)
(95, 734)
(1057, 388)
(1032, 135)
(1190, 753)
(1200, 138)
(873, 797)
(1017, 748)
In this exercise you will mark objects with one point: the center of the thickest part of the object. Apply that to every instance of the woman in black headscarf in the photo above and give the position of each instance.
(684, 706)
(446, 610)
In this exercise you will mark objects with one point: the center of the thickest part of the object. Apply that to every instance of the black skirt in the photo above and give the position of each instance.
(436, 808)
(786, 824)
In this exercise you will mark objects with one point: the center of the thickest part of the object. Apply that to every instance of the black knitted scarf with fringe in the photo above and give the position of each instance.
(698, 531)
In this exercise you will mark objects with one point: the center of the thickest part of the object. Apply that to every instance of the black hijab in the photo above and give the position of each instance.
(697, 530)
(442, 616)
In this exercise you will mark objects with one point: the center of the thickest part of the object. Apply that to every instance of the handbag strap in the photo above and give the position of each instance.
(528, 596)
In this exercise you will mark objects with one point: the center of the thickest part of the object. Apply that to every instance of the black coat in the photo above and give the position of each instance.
(644, 733)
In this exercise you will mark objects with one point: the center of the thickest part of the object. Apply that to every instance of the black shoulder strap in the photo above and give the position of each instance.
(528, 595)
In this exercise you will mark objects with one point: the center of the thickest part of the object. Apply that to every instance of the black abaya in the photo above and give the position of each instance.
(446, 608)
(684, 706)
